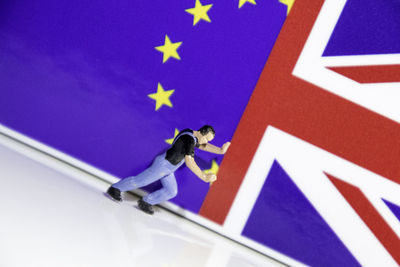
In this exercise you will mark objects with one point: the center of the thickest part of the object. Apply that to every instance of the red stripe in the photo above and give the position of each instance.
(306, 111)
(370, 74)
(281, 61)
(370, 216)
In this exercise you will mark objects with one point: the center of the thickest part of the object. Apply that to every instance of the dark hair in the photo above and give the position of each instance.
(206, 129)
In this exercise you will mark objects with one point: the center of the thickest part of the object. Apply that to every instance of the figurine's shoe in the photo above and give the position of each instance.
(146, 207)
(114, 193)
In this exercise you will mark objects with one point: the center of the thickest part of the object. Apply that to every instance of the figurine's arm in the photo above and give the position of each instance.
(214, 149)
(206, 177)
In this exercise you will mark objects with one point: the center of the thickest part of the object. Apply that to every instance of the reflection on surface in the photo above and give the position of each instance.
(53, 219)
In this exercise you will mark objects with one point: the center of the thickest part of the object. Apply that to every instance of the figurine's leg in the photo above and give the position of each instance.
(168, 191)
(156, 171)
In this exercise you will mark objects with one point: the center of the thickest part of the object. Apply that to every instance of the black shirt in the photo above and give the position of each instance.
(182, 147)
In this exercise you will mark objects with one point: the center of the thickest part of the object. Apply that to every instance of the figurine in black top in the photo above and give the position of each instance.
(164, 166)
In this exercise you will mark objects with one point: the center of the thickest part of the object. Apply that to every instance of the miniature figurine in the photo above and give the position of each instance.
(164, 166)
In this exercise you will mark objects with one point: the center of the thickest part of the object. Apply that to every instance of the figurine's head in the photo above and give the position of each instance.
(207, 134)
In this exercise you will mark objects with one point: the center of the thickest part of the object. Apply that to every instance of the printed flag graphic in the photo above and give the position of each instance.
(312, 176)
(109, 82)
(339, 203)
(329, 119)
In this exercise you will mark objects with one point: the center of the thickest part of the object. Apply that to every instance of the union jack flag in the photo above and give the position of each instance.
(313, 172)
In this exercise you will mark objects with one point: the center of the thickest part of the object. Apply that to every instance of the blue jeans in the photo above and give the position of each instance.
(161, 169)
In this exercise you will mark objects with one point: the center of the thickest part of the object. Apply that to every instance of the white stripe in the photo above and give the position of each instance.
(305, 164)
(311, 67)
(363, 60)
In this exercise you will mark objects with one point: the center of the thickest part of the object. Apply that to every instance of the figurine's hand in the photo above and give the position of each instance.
(210, 177)
(225, 147)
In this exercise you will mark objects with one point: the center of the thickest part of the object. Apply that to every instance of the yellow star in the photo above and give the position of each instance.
(199, 12)
(289, 4)
(242, 2)
(170, 141)
(161, 97)
(169, 49)
(214, 168)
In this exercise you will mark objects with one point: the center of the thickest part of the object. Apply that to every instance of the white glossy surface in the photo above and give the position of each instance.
(58, 216)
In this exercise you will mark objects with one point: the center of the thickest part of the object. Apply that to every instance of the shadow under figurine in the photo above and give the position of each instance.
(164, 166)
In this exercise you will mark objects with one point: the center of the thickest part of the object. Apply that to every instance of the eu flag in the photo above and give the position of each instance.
(109, 82)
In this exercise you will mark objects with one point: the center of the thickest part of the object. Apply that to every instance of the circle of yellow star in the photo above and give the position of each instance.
(199, 12)
(288, 3)
(214, 168)
(169, 49)
(161, 97)
(170, 141)
(242, 2)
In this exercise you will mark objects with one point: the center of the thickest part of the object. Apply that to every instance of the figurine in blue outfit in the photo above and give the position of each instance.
(164, 166)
